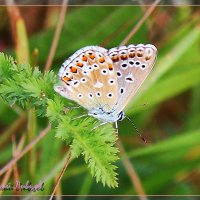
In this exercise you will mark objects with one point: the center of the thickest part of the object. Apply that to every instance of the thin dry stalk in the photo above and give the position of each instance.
(57, 35)
(19, 33)
(68, 158)
(131, 172)
(16, 125)
(114, 34)
(17, 151)
(140, 23)
(26, 149)
(58, 193)
(6, 178)
(14, 153)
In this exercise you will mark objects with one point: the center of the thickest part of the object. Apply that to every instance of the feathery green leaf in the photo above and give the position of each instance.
(29, 87)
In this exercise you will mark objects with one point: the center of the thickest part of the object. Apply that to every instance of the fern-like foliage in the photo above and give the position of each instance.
(25, 85)
(29, 87)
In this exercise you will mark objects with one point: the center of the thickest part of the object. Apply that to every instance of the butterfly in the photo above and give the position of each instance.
(104, 81)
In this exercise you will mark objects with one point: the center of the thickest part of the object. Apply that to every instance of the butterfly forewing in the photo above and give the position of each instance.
(133, 63)
(89, 78)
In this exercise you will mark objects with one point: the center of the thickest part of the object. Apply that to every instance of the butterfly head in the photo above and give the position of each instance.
(121, 116)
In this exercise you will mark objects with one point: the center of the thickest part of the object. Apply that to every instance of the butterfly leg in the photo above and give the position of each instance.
(80, 116)
(71, 107)
(99, 125)
(66, 109)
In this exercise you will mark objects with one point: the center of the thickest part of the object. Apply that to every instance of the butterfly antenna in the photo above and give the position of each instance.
(143, 139)
(141, 105)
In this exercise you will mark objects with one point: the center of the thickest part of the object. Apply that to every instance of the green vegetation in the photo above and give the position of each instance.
(168, 164)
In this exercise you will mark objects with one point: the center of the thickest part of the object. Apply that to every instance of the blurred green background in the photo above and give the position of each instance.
(170, 163)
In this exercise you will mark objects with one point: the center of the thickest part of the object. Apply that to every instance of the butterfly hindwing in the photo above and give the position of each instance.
(133, 63)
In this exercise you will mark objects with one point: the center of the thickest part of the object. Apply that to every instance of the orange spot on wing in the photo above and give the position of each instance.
(79, 64)
(115, 58)
(123, 57)
(110, 67)
(66, 79)
(84, 58)
(92, 56)
(131, 55)
(102, 60)
(73, 70)
(148, 58)
(139, 54)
